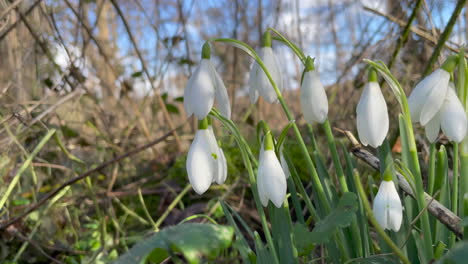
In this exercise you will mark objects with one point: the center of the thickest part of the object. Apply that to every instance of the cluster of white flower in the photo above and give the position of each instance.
(433, 103)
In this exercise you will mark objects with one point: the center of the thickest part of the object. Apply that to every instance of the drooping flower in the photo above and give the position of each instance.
(271, 180)
(221, 176)
(427, 97)
(387, 206)
(371, 114)
(205, 160)
(314, 102)
(204, 86)
(451, 118)
(259, 84)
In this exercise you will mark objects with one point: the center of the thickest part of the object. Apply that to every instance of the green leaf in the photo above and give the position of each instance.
(457, 255)
(340, 217)
(193, 240)
(302, 236)
(264, 255)
(179, 99)
(172, 108)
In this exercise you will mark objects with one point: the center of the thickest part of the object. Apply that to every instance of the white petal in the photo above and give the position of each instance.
(214, 148)
(274, 180)
(372, 116)
(432, 128)
(202, 90)
(263, 195)
(278, 77)
(222, 167)
(253, 83)
(427, 97)
(387, 206)
(221, 94)
(395, 210)
(201, 166)
(314, 102)
(379, 208)
(453, 117)
(264, 86)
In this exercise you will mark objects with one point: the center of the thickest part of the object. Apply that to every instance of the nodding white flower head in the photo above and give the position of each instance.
(387, 206)
(451, 118)
(206, 162)
(259, 85)
(371, 114)
(427, 97)
(203, 87)
(314, 102)
(271, 179)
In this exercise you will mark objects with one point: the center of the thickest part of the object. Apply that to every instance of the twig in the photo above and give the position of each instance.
(9, 8)
(86, 174)
(444, 215)
(404, 34)
(415, 30)
(13, 25)
(444, 37)
(161, 103)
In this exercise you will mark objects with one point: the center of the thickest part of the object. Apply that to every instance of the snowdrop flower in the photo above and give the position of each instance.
(314, 102)
(203, 87)
(451, 118)
(371, 114)
(221, 176)
(205, 160)
(427, 97)
(258, 82)
(387, 206)
(271, 180)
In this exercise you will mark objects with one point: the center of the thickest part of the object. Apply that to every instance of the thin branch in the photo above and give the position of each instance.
(148, 76)
(415, 30)
(405, 33)
(444, 37)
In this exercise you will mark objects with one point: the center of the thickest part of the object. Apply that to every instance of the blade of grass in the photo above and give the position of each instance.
(24, 166)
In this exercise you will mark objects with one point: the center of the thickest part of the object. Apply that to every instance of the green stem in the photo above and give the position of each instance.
(374, 222)
(463, 180)
(431, 177)
(455, 189)
(171, 206)
(387, 168)
(335, 156)
(245, 158)
(444, 36)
